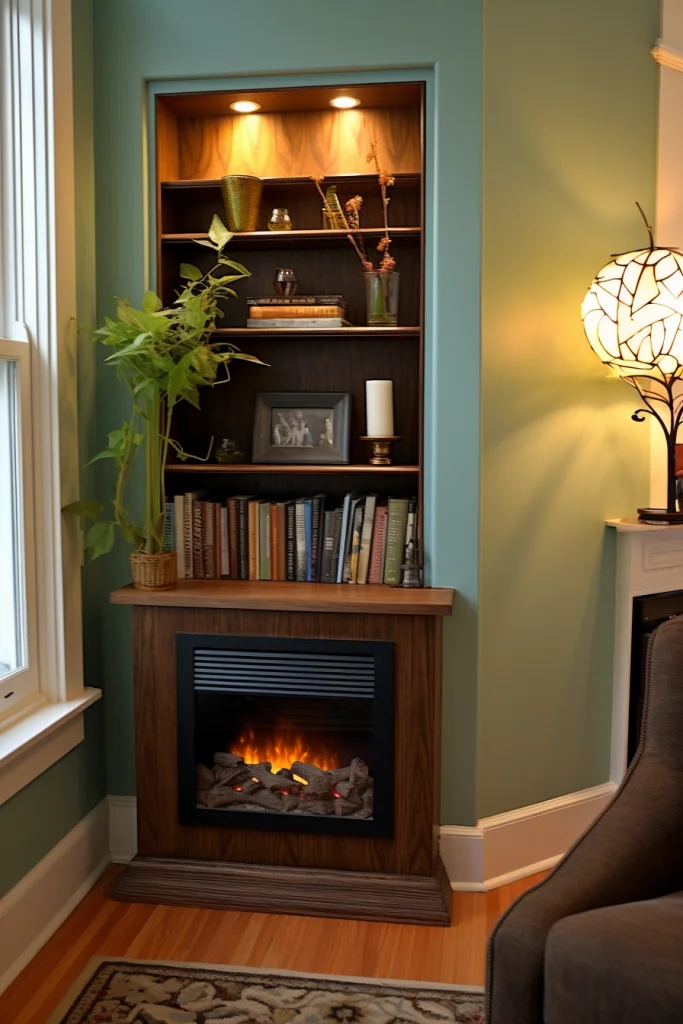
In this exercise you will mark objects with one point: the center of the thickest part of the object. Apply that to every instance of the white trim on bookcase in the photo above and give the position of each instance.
(510, 846)
(123, 828)
(34, 909)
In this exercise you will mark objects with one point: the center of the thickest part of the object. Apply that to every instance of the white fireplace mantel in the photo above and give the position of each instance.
(649, 561)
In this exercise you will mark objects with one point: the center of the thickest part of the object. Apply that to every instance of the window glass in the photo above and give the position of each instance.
(12, 603)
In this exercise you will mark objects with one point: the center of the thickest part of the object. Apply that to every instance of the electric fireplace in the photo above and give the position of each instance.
(285, 734)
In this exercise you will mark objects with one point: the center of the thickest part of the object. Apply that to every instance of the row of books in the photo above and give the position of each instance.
(303, 312)
(363, 540)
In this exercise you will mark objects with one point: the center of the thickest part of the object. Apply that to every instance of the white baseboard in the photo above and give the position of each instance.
(498, 850)
(34, 909)
(123, 828)
(510, 846)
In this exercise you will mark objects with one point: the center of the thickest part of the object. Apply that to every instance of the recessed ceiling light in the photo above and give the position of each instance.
(245, 106)
(344, 102)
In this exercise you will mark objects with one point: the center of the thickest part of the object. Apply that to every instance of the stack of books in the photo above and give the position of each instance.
(300, 312)
(364, 540)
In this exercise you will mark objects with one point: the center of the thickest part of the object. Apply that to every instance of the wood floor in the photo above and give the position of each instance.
(101, 927)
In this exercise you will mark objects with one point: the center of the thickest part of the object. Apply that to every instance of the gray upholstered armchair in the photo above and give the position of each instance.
(600, 941)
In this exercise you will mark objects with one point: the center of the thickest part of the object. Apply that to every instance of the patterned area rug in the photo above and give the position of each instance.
(147, 992)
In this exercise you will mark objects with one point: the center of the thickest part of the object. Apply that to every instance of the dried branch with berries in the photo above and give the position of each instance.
(350, 216)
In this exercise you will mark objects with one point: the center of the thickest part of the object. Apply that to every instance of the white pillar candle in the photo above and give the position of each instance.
(379, 407)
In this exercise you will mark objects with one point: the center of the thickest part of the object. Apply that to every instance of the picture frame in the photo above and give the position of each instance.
(302, 427)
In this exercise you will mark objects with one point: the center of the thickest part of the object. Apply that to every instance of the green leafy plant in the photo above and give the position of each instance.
(163, 355)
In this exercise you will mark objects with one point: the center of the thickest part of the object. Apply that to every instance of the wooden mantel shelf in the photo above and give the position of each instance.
(298, 597)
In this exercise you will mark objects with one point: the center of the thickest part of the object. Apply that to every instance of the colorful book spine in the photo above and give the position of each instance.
(308, 530)
(298, 323)
(342, 536)
(377, 551)
(300, 520)
(397, 519)
(225, 541)
(327, 550)
(355, 543)
(336, 545)
(274, 544)
(243, 533)
(197, 541)
(287, 312)
(296, 300)
(290, 534)
(169, 526)
(282, 541)
(233, 538)
(253, 541)
(264, 540)
(179, 513)
(366, 539)
(317, 510)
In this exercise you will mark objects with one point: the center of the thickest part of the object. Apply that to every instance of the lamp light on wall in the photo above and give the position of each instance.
(633, 318)
(344, 102)
(245, 106)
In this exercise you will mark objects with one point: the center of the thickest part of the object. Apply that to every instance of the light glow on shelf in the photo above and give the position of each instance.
(344, 102)
(245, 106)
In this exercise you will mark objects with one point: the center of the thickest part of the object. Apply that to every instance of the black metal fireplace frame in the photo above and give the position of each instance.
(380, 825)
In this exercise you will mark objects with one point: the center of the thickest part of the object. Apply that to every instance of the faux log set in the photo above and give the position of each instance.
(233, 784)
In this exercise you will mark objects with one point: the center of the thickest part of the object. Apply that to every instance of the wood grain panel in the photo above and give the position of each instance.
(299, 143)
(275, 890)
(264, 595)
(101, 927)
(413, 848)
(300, 366)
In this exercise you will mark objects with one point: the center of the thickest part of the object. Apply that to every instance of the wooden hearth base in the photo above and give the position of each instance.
(406, 899)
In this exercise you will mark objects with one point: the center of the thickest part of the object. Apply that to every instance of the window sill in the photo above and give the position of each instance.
(31, 744)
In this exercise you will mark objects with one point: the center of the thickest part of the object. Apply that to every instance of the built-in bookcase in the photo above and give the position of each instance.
(297, 134)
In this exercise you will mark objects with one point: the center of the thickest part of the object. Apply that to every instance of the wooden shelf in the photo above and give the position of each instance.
(405, 180)
(329, 332)
(287, 239)
(370, 599)
(250, 467)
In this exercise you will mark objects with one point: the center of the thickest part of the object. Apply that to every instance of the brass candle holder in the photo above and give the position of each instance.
(381, 449)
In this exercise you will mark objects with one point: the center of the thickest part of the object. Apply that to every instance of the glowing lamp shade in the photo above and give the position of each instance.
(344, 102)
(633, 313)
(245, 106)
(633, 318)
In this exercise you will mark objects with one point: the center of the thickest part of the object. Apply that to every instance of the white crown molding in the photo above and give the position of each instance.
(518, 843)
(34, 909)
(667, 57)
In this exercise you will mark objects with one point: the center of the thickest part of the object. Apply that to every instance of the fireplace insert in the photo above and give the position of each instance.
(285, 734)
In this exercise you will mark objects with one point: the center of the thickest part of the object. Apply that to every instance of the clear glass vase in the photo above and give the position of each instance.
(381, 298)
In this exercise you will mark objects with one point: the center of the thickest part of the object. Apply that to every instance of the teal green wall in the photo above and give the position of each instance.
(149, 40)
(570, 105)
(569, 119)
(41, 814)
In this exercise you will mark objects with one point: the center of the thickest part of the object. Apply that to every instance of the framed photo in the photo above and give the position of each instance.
(301, 427)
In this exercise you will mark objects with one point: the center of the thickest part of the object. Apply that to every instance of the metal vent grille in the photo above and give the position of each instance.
(284, 673)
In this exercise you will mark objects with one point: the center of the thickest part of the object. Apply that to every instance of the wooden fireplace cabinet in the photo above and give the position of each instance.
(296, 134)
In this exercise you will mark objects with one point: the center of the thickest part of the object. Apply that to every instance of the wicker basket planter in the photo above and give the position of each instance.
(153, 572)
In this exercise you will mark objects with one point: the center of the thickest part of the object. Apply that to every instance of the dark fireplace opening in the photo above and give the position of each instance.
(285, 734)
(649, 612)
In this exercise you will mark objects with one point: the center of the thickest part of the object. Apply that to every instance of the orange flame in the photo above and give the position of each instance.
(282, 749)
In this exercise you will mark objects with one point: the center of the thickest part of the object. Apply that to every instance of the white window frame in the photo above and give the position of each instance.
(38, 319)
